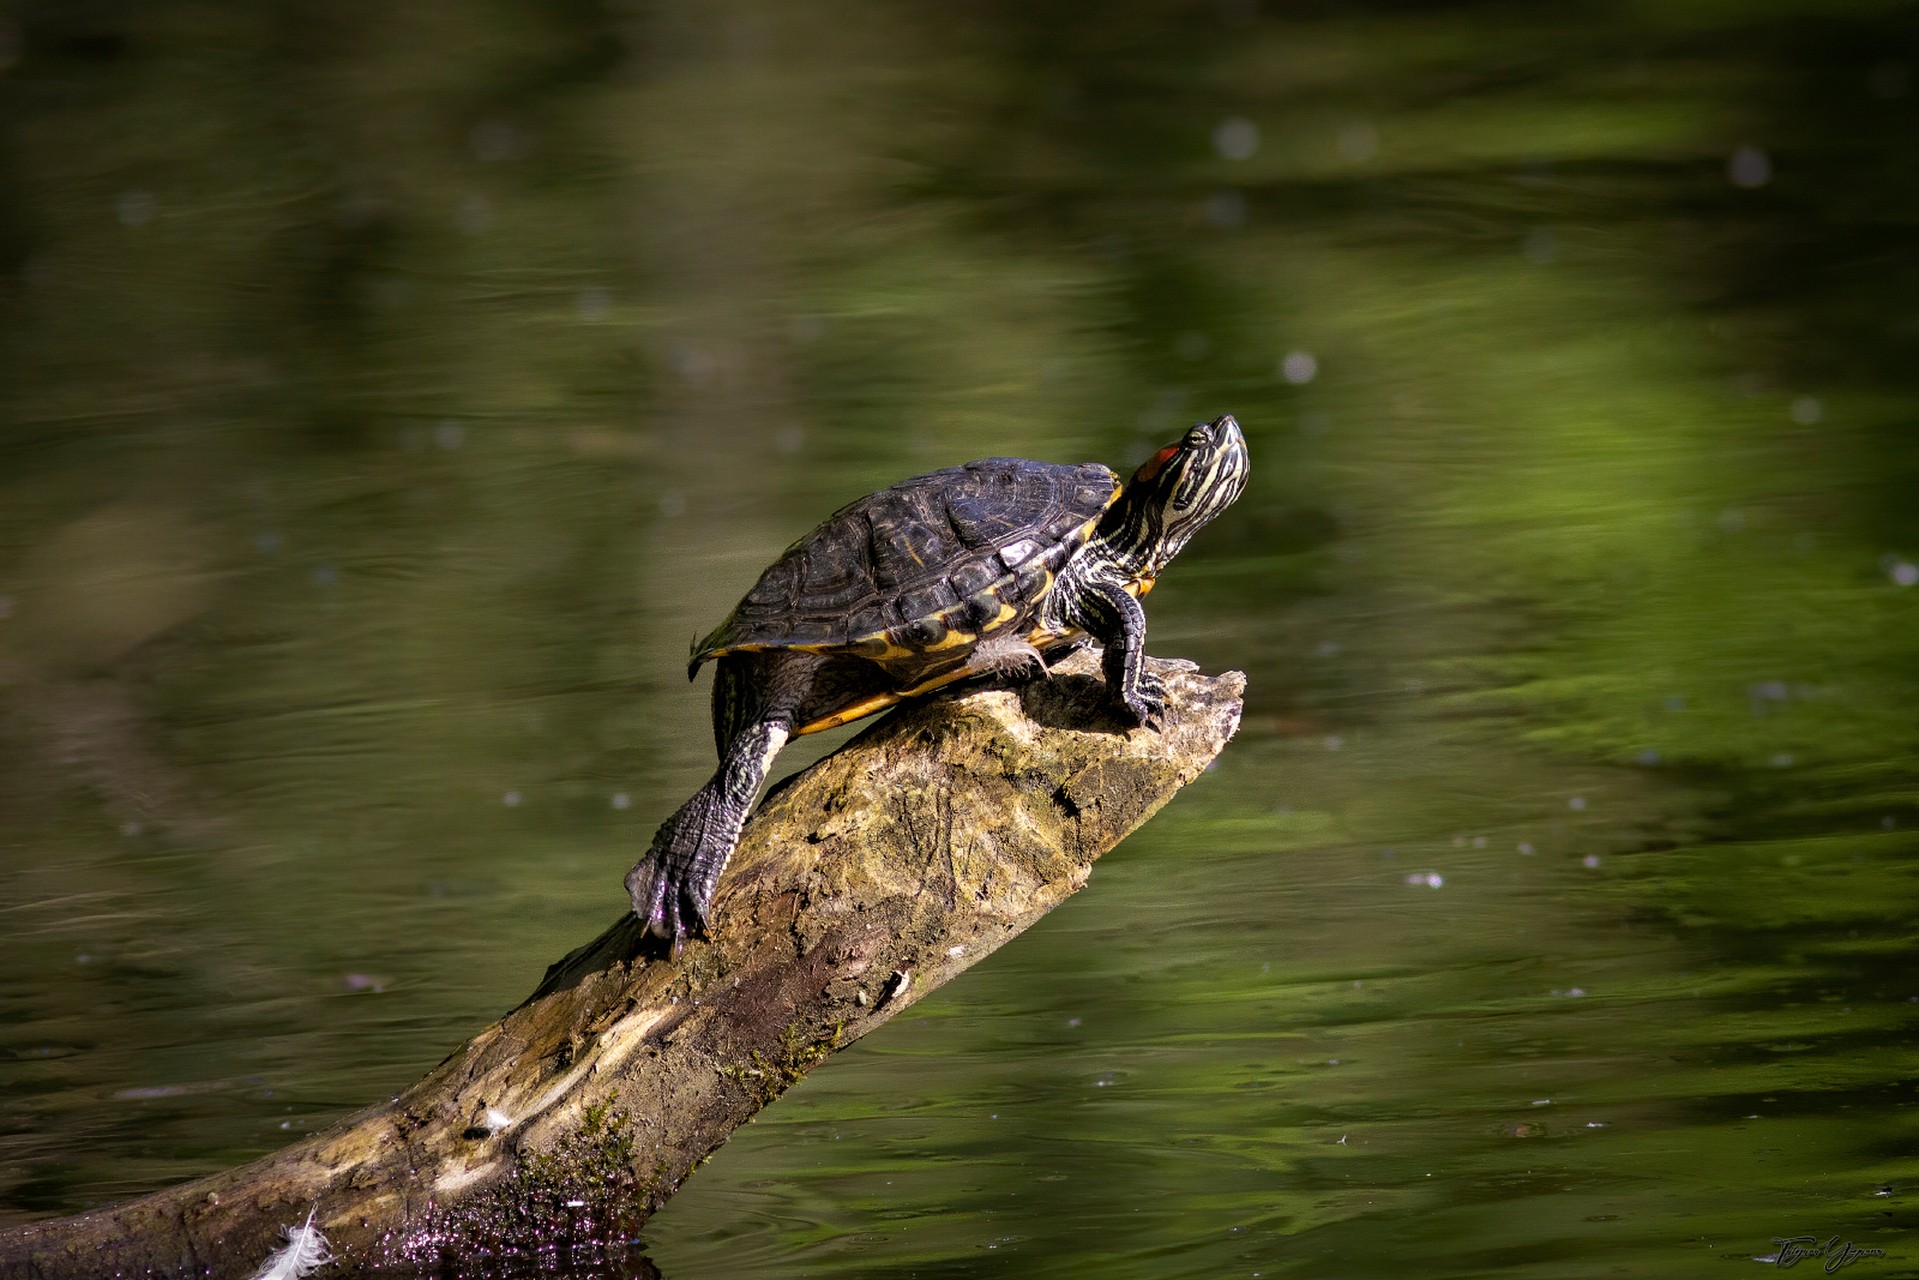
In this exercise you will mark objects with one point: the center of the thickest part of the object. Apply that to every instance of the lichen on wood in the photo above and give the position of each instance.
(859, 885)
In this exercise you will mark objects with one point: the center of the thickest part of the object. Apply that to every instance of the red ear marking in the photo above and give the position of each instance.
(1154, 463)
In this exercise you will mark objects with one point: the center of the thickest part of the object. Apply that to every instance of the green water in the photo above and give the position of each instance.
(390, 392)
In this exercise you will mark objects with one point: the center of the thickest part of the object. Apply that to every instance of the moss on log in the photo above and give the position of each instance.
(860, 884)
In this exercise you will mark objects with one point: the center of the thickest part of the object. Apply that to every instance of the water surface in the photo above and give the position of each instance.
(390, 396)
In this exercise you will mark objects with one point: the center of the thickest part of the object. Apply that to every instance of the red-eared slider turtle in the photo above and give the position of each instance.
(967, 571)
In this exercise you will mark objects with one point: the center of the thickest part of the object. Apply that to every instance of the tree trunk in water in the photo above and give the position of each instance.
(859, 885)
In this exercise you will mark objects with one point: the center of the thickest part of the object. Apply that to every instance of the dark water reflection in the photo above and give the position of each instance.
(391, 395)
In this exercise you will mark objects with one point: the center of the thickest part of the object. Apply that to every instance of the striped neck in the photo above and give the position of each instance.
(1174, 494)
(1131, 540)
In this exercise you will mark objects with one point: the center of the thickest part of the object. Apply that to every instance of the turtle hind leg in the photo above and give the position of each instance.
(672, 886)
(753, 700)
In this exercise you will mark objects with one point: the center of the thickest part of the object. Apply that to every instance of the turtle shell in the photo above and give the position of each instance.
(924, 569)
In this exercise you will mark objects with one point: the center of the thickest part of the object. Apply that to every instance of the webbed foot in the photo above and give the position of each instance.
(1147, 704)
(672, 886)
(669, 907)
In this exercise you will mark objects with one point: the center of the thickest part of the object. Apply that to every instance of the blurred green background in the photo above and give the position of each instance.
(388, 394)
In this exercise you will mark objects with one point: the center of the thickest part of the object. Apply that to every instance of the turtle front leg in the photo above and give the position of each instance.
(1113, 616)
(672, 886)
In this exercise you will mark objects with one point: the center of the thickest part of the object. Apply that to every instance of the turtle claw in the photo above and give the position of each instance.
(667, 909)
(672, 885)
(653, 898)
(1147, 706)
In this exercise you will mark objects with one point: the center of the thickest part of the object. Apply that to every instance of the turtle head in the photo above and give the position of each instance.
(1178, 491)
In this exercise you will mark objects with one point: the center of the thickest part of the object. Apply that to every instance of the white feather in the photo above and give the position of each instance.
(305, 1251)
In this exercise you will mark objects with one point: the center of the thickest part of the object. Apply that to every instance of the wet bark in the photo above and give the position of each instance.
(859, 885)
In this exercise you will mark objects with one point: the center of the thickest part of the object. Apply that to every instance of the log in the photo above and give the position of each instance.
(861, 884)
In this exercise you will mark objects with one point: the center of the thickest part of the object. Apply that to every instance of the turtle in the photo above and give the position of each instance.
(970, 571)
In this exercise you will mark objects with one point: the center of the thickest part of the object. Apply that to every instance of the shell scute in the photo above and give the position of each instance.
(924, 602)
(1019, 551)
(872, 619)
(982, 612)
(927, 565)
(972, 576)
